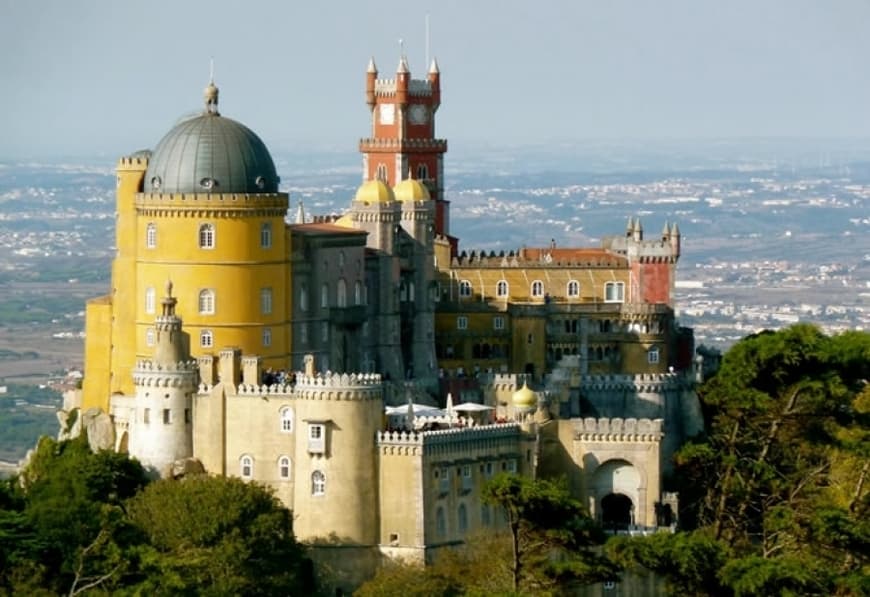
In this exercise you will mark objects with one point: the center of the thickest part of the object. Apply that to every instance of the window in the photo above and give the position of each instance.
(167, 416)
(498, 322)
(467, 479)
(318, 483)
(151, 235)
(206, 236)
(357, 293)
(652, 355)
(489, 468)
(614, 292)
(512, 466)
(265, 301)
(341, 291)
(573, 289)
(150, 300)
(537, 289)
(382, 172)
(266, 235)
(146, 416)
(341, 259)
(287, 420)
(267, 337)
(422, 172)
(324, 331)
(440, 522)
(501, 289)
(284, 468)
(149, 336)
(316, 438)
(324, 296)
(246, 467)
(206, 339)
(462, 322)
(464, 288)
(462, 516)
(303, 333)
(206, 302)
(303, 297)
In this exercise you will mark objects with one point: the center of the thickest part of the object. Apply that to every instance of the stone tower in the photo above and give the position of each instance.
(161, 429)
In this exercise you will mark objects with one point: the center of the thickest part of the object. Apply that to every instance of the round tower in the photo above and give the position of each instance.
(209, 215)
(161, 431)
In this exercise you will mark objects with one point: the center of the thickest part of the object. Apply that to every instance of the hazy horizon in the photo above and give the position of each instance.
(102, 78)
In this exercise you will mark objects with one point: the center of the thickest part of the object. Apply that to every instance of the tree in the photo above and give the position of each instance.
(216, 535)
(550, 534)
(780, 481)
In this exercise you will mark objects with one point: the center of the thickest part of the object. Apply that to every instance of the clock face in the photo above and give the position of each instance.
(418, 114)
(388, 113)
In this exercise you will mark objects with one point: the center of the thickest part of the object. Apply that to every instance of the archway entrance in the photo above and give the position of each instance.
(616, 511)
(123, 443)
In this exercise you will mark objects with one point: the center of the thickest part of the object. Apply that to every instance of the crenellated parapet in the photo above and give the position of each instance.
(618, 430)
(453, 441)
(339, 386)
(642, 382)
(416, 87)
(133, 162)
(539, 259)
(148, 366)
(214, 205)
(182, 374)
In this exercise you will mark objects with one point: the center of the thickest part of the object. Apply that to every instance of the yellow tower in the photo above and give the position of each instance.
(204, 211)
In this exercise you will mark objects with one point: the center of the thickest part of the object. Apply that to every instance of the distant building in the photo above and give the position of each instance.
(297, 336)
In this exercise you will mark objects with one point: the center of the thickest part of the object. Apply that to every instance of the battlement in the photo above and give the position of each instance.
(148, 366)
(134, 162)
(211, 200)
(416, 87)
(391, 144)
(543, 258)
(454, 436)
(618, 430)
(338, 380)
(642, 382)
(150, 374)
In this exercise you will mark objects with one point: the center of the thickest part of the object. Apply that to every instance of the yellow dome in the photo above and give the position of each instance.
(525, 398)
(374, 191)
(411, 190)
(344, 221)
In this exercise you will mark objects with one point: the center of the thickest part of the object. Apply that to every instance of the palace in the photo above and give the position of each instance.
(370, 371)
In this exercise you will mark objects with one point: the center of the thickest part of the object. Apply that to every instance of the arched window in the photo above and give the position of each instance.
(537, 289)
(206, 339)
(303, 297)
(501, 289)
(324, 295)
(464, 288)
(206, 236)
(151, 235)
(382, 172)
(266, 301)
(440, 522)
(318, 483)
(462, 516)
(573, 289)
(341, 292)
(287, 420)
(149, 336)
(422, 172)
(206, 301)
(150, 300)
(357, 293)
(652, 355)
(246, 467)
(284, 468)
(267, 337)
(266, 235)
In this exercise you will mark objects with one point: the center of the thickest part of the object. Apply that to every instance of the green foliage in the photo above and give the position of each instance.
(409, 580)
(689, 561)
(551, 534)
(216, 535)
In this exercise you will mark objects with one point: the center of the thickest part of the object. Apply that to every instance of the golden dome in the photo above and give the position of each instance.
(374, 191)
(525, 398)
(411, 190)
(344, 221)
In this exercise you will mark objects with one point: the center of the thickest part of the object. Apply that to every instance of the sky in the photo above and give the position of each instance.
(108, 77)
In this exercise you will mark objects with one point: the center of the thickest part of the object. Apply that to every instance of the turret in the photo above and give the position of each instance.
(371, 77)
(435, 82)
(629, 227)
(637, 232)
(403, 78)
(666, 233)
(675, 239)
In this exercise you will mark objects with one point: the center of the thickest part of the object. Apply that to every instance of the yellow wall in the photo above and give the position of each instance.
(95, 386)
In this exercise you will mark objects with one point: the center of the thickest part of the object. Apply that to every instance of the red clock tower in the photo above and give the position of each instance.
(402, 142)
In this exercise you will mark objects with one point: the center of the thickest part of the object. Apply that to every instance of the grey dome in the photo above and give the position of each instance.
(211, 154)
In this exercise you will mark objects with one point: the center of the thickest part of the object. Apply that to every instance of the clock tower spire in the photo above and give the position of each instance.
(402, 137)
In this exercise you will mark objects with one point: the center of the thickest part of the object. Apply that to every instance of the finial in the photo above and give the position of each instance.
(433, 68)
(211, 98)
(372, 68)
(403, 62)
(168, 288)
(211, 70)
(300, 213)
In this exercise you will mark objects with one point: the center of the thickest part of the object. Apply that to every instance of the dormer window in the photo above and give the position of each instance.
(316, 438)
